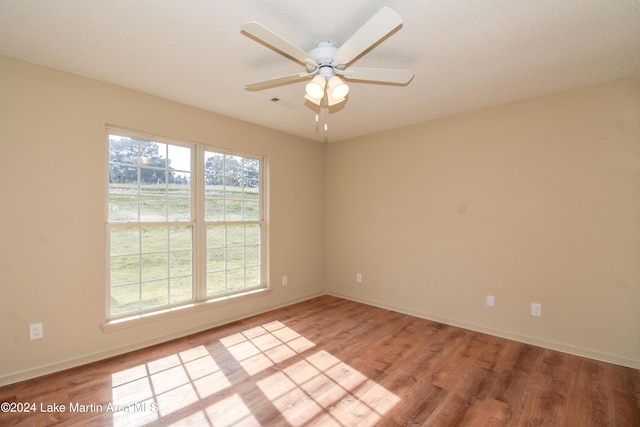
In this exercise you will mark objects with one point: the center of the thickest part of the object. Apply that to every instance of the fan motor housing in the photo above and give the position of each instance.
(323, 55)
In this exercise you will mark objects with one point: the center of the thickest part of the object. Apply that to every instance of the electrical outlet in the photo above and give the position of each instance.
(285, 280)
(536, 309)
(35, 331)
(359, 277)
(490, 301)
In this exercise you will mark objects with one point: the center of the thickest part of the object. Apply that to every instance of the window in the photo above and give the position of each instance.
(185, 224)
(232, 215)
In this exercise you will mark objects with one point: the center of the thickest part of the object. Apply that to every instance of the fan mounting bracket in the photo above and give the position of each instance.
(323, 52)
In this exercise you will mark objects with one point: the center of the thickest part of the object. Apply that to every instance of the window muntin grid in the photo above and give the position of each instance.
(155, 218)
(233, 215)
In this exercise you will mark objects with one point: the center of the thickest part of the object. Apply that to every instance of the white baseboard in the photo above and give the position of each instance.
(577, 351)
(62, 365)
(94, 357)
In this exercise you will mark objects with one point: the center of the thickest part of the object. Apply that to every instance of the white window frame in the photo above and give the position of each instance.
(199, 225)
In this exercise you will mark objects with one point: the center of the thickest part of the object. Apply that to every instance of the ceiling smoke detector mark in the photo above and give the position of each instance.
(284, 103)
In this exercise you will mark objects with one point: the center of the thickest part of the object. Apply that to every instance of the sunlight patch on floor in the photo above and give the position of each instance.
(259, 348)
(322, 385)
(165, 385)
(315, 389)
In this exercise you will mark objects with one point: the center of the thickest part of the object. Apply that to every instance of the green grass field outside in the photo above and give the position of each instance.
(152, 266)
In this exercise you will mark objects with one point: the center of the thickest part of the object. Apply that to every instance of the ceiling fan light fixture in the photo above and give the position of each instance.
(326, 63)
(315, 88)
(338, 89)
(316, 101)
(331, 102)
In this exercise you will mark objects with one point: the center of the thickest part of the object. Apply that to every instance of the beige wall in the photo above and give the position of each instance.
(52, 221)
(536, 201)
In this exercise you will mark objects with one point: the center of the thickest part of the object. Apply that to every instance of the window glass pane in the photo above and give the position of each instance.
(235, 279)
(252, 210)
(180, 237)
(125, 298)
(179, 191)
(235, 257)
(179, 158)
(153, 207)
(143, 181)
(124, 240)
(153, 195)
(251, 190)
(123, 193)
(123, 208)
(181, 289)
(179, 208)
(233, 187)
(214, 186)
(153, 154)
(180, 263)
(235, 235)
(124, 269)
(216, 236)
(181, 183)
(213, 167)
(233, 167)
(232, 210)
(233, 199)
(155, 293)
(251, 170)
(252, 255)
(153, 180)
(214, 202)
(215, 259)
(253, 276)
(216, 283)
(230, 181)
(123, 150)
(252, 234)
(154, 266)
(154, 239)
(123, 178)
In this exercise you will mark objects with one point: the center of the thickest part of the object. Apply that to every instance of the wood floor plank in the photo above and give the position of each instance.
(456, 370)
(452, 411)
(329, 361)
(589, 402)
(487, 413)
(418, 406)
(623, 390)
(512, 387)
(477, 382)
(550, 390)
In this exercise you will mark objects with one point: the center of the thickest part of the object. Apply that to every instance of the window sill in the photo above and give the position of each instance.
(141, 319)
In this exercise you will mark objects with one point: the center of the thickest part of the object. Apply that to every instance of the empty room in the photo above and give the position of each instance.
(320, 213)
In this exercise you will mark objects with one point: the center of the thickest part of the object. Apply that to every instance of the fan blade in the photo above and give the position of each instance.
(381, 24)
(272, 39)
(291, 78)
(383, 75)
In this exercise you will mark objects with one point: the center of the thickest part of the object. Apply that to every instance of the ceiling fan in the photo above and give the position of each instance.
(326, 63)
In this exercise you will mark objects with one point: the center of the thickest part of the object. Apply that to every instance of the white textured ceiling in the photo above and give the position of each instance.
(466, 54)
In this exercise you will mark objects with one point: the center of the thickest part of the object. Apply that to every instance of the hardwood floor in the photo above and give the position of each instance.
(329, 361)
